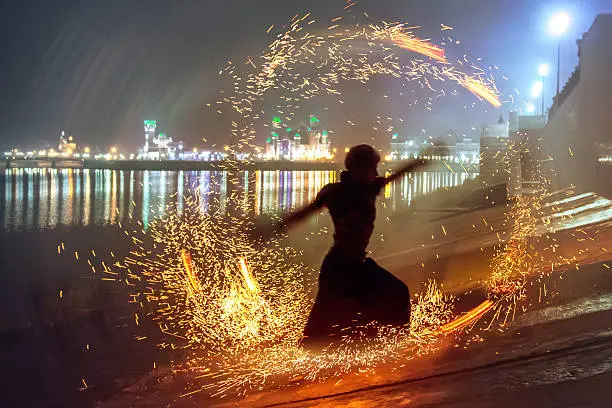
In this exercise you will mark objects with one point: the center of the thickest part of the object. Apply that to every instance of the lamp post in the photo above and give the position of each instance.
(557, 26)
(543, 71)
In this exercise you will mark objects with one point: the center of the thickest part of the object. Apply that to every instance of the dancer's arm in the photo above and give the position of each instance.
(412, 165)
(299, 215)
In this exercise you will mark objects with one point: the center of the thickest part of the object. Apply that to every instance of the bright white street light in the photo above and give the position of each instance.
(530, 108)
(543, 70)
(558, 23)
(536, 89)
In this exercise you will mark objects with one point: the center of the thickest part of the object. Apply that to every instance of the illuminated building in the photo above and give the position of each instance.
(301, 143)
(67, 144)
(150, 129)
(404, 149)
(159, 146)
(466, 151)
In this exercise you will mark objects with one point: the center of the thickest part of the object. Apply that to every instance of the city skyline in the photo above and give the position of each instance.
(101, 89)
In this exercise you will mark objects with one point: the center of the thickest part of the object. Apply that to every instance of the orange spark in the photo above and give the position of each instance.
(415, 44)
(468, 318)
(481, 89)
(187, 263)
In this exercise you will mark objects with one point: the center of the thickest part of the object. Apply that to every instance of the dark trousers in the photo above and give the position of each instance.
(353, 293)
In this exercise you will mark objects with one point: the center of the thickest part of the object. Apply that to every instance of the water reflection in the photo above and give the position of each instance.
(47, 198)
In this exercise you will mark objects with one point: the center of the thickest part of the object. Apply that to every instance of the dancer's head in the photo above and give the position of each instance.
(362, 160)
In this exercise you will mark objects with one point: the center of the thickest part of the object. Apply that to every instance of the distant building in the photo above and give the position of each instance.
(67, 144)
(159, 146)
(301, 143)
(403, 149)
(466, 151)
(493, 150)
(150, 129)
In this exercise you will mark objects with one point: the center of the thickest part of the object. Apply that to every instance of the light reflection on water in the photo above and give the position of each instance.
(47, 198)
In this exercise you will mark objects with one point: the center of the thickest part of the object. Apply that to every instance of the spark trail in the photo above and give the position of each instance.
(300, 65)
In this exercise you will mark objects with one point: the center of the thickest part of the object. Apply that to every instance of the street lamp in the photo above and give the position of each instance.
(558, 23)
(557, 26)
(530, 108)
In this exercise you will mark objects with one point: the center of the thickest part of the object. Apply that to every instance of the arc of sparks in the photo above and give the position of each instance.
(188, 265)
(249, 280)
(418, 45)
(468, 318)
(481, 89)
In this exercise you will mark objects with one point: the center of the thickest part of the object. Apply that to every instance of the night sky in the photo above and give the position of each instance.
(97, 69)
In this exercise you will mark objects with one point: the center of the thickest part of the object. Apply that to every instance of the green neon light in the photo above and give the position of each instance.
(288, 129)
(269, 140)
(150, 122)
(274, 134)
(276, 119)
(314, 119)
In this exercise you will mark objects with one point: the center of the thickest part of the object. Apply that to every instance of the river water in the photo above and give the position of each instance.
(33, 199)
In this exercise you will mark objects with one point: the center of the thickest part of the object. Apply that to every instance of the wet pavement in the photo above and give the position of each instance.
(556, 352)
(559, 353)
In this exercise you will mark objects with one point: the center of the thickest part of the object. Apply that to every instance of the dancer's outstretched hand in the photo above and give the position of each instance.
(267, 227)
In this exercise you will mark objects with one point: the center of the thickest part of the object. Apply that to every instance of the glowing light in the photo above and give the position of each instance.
(558, 23)
(530, 107)
(536, 89)
(543, 70)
